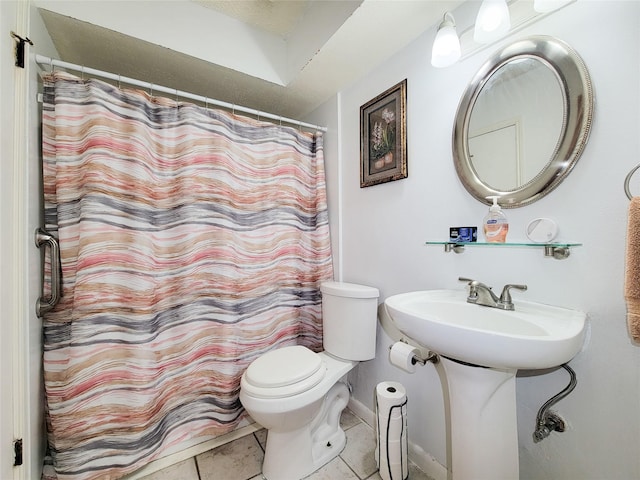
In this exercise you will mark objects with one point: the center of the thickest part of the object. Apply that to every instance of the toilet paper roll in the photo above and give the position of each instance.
(402, 356)
(392, 443)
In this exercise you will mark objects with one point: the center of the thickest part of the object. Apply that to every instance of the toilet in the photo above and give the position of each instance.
(297, 395)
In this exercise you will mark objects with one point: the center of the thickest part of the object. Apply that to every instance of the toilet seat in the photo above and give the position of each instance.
(283, 372)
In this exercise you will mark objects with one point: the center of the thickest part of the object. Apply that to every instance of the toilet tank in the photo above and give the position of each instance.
(349, 319)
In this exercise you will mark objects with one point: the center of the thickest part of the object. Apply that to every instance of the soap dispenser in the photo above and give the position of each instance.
(495, 224)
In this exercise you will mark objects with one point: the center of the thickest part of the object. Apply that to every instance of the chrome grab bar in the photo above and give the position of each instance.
(42, 240)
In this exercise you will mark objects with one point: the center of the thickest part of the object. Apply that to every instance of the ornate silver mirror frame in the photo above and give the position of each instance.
(576, 91)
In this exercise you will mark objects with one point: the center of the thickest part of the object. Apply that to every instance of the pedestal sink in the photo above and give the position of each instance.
(481, 350)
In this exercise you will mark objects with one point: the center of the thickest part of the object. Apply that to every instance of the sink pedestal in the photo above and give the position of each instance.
(484, 432)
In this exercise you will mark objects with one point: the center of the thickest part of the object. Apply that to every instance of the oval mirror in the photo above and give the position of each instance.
(523, 122)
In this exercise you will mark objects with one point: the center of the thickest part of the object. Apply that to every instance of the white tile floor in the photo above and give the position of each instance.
(242, 459)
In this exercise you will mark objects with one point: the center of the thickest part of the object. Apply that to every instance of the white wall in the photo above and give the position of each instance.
(329, 115)
(385, 227)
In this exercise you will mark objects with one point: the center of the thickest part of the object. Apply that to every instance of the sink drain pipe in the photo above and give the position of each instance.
(548, 421)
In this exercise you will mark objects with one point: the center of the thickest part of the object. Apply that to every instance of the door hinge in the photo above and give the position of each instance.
(17, 450)
(20, 42)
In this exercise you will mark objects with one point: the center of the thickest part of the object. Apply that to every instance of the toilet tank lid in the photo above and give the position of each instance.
(351, 290)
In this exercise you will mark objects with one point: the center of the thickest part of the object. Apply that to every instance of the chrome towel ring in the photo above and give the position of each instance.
(627, 180)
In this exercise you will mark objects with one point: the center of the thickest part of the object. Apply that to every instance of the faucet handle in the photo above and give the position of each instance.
(505, 296)
(473, 287)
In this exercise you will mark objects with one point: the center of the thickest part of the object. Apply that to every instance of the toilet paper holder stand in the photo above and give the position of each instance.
(432, 357)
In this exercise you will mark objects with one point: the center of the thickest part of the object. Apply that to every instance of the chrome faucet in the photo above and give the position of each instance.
(481, 294)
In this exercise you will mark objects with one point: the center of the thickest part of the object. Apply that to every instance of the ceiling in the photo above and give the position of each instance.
(276, 16)
(286, 57)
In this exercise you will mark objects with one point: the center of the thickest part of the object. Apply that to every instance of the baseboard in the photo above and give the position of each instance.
(417, 455)
(427, 463)
(360, 411)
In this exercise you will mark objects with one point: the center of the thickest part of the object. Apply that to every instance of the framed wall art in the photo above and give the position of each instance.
(383, 137)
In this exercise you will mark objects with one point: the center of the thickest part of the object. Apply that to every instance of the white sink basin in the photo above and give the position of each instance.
(534, 336)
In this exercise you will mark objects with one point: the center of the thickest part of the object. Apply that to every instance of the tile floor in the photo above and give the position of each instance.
(242, 459)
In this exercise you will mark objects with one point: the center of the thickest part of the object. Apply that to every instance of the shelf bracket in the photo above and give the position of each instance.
(559, 253)
(453, 247)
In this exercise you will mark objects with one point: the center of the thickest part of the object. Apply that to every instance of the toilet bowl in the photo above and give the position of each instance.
(297, 395)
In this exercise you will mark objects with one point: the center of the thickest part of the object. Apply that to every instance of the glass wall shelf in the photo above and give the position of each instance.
(555, 250)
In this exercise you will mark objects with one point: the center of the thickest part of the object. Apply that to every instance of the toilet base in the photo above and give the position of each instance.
(295, 454)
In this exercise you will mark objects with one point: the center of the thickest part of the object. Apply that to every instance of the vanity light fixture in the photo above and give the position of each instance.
(544, 6)
(446, 46)
(492, 22)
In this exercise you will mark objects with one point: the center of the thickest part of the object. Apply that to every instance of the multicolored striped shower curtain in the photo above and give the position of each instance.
(192, 241)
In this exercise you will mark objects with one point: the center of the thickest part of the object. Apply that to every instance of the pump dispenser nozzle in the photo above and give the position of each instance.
(495, 224)
(495, 207)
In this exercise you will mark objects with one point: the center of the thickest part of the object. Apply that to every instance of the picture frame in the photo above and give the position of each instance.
(383, 137)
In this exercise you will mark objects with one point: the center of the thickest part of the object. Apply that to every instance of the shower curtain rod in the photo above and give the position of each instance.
(42, 60)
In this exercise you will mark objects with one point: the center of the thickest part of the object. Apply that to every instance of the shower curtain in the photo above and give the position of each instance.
(192, 241)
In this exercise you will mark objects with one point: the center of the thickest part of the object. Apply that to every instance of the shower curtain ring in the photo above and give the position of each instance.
(51, 64)
(119, 82)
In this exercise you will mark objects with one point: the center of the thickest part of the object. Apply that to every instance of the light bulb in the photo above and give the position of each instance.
(492, 22)
(446, 46)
